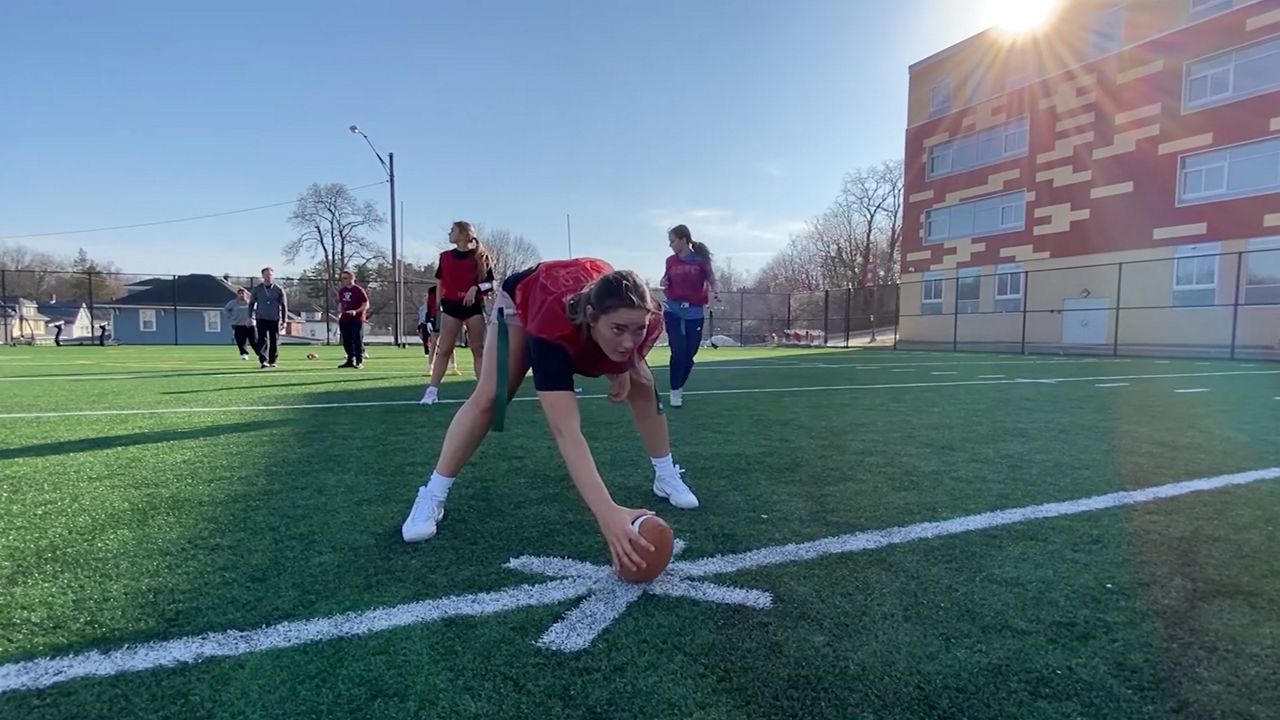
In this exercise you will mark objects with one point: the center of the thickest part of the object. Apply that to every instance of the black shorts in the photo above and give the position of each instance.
(460, 310)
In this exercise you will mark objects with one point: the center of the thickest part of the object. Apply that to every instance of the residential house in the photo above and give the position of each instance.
(1109, 183)
(74, 316)
(21, 320)
(186, 310)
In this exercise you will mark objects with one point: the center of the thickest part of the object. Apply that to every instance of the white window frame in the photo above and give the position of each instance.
(1230, 96)
(1018, 129)
(1208, 8)
(930, 278)
(1015, 272)
(145, 315)
(1267, 244)
(1107, 21)
(1016, 199)
(1213, 251)
(936, 108)
(962, 305)
(216, 317)
(1183, 198)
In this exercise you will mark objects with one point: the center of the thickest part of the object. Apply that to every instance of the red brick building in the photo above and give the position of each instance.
(1144, 133)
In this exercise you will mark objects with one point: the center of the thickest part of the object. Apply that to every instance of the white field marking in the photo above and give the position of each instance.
(607, 597)
(989, 377)
(903, 370)
(1192, 390)
(944, 372)
(730, 391)
(370, 373)
(1112, 385)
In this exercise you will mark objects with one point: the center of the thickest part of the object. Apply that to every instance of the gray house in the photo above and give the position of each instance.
(186, 310)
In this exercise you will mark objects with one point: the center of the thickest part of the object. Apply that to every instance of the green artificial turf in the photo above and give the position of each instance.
(126, 528)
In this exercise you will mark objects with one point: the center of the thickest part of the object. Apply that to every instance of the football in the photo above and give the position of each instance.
(658, 533)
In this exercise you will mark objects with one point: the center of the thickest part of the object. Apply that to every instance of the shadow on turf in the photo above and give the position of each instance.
(112, 442)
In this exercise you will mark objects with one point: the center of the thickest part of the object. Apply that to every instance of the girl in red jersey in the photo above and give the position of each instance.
(686, 282)
(466, 276)
(567, 317)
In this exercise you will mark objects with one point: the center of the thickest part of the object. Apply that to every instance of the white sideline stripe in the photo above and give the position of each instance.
(249, 372)
(1112, 385)
(989, 377)
(857, 542)
(43, 672)
(1192, 390)
(732, 391)
(589, 617)
(939, 372)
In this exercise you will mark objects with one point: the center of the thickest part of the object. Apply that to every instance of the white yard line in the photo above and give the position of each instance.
(607, 598)
(731, 391)
(1112, 385)
(1192, 390)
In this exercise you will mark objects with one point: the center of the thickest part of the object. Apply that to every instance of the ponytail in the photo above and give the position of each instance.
(484, 261)
(701, 249)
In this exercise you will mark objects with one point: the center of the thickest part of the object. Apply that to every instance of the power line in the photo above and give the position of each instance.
(169, 222)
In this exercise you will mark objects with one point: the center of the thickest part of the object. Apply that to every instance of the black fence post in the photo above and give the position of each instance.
(897, 315)
(848, 297)
(955, 315)
(742, 318)
(4, 309)
(826, 315)
(328, 308)
(1115, 333)
(1026, 300)
(788, 325)
(1235, 303)
(92, 321)
(175, 309)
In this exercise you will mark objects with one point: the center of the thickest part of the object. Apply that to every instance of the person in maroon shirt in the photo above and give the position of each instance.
(353, 304)
(686, 282)
(566, 318)
(466, 276)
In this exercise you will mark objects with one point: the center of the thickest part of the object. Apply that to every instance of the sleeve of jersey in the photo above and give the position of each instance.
(552, 366)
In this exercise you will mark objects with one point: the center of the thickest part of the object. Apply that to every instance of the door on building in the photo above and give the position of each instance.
(1085, 320)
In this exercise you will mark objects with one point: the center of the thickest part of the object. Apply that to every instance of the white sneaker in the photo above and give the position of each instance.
(426, 513)
(244, 357)
(677, 398)
(431, 396)
(671, 486)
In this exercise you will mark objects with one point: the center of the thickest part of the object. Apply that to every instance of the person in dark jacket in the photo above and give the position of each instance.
(270, 308)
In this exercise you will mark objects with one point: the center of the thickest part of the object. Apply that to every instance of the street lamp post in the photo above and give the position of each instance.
(389, 166)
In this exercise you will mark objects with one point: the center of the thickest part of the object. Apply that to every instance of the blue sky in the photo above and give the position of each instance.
(735, 117)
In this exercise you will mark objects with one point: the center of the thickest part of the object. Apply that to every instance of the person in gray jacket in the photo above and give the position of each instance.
(238, 313)
(270, 309)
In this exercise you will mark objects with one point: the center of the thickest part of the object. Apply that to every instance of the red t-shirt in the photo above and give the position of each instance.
(686, 279)
(350, 298)
(542, 299)
(459, 271)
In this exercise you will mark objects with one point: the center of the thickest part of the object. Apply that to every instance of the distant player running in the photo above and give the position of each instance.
(686, 281)
(466, 276)
(563, 318)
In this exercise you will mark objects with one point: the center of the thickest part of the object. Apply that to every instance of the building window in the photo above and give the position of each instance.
(147, 320)
(1009, 288)
(1201, 9)
(1106, 34)
(940, 97)
(1262, 272)
(977, 218)
(931, 294)
(212, 321)
(979, 149)
(1233, 172)
(968, 290)
(1233, 75)
(1195, 275)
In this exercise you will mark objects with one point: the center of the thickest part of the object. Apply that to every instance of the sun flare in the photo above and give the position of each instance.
(1020, 16)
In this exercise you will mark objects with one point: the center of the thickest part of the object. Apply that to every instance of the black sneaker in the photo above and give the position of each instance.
(358, 366)
(262, 366)
(347, 364)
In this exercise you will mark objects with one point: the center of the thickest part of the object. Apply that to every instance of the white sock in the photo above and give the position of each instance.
(663, 465)
(438, 486)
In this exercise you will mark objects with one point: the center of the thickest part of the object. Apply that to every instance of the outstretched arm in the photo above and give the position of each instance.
(561, 408)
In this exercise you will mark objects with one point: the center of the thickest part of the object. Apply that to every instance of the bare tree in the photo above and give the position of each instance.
(331, 225)
(730, 278)
(30, 274)
(510, 253)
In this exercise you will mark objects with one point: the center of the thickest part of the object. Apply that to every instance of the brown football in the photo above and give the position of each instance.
(658, 533)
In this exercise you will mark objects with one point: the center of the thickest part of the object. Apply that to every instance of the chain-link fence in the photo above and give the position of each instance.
(1211, 305)
(70, 307)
